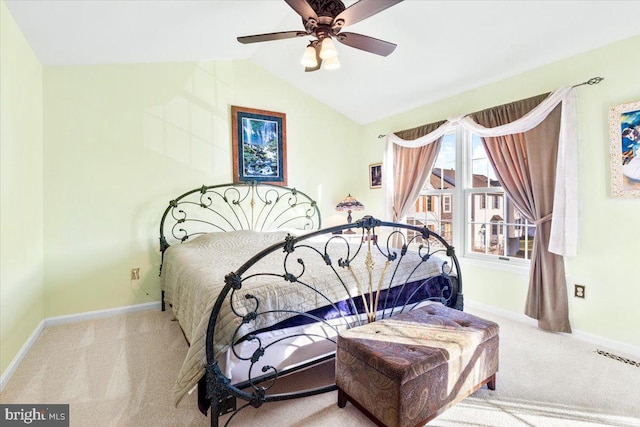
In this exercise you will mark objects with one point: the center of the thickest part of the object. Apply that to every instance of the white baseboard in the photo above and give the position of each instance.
(601, 342)
(511, 315)
(606, 344)
(11, 369)
(71, 318)
(100, 314)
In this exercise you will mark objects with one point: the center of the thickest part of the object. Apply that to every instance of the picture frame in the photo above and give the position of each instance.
(259, 145)
(375, 175)
(624, 150)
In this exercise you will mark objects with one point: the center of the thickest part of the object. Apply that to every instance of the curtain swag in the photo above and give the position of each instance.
(564, 229)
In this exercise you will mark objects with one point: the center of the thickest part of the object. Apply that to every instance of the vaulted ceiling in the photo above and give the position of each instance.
(444, 47)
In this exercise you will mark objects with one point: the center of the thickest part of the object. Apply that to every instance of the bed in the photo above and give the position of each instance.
(261, 291)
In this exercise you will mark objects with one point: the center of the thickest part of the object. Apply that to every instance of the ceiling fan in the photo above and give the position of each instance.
(324, 20)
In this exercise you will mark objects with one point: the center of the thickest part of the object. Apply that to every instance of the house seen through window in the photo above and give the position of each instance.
(464, 202)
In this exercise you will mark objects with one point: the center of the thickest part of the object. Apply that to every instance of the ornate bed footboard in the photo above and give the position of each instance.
(301, 292)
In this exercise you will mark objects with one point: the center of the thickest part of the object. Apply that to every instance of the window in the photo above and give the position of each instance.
(446, 203)
(467, 206)
(439, 190)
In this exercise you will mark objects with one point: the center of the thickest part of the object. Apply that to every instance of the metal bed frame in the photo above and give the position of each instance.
(342, 249)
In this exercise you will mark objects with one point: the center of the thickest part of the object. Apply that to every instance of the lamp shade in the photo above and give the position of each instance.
(349, 203)
(332, 63)
(327, 49)
(309, 58)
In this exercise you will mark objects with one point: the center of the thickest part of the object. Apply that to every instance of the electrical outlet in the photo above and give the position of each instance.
(579, 291)
(135, 273)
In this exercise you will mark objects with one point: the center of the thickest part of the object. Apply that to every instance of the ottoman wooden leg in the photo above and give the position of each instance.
(342, 398)
(491, 384)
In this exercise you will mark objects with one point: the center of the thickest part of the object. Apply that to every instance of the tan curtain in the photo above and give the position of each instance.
(412, 167)
(525, 164)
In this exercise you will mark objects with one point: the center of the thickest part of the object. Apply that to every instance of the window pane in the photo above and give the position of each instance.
(430, 210)
(520, 235)
(487, 223)
(479, 207)
(497, 227)
(483, 175)
(443, 175)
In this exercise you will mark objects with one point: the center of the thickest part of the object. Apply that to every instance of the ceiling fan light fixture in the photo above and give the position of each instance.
(324, 20)
(332, 63)
(327, 49)
(309, 58)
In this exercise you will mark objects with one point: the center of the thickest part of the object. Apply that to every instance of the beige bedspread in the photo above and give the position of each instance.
(193, 275)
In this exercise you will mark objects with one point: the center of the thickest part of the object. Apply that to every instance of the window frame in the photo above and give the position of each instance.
(461, 199)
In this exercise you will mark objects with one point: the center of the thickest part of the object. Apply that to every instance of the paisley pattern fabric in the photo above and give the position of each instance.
(408, 368)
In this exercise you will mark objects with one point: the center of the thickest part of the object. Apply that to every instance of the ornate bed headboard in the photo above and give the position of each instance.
(232, 207)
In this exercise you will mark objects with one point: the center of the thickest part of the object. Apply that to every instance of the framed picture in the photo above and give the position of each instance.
(624, 136)
(375, 175)
(259, 146)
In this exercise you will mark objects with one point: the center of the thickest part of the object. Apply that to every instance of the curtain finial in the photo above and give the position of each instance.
(592, 81)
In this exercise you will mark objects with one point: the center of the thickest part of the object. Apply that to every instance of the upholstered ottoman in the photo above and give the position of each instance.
(406, 369)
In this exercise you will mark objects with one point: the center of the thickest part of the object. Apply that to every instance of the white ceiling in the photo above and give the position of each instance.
(444, 47)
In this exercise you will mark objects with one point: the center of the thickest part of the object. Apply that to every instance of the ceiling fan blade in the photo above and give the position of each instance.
(271, 36)
(303, 9)
(362, 10)
(318, 60)
(366, 43)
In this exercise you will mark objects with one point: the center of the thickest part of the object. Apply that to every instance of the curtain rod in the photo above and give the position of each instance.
(592, 81)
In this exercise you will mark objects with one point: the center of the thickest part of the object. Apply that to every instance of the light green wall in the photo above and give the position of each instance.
(609, 245)
(123, 140)
(21, 209)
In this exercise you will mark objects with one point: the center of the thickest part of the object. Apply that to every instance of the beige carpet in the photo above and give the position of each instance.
(120, 371)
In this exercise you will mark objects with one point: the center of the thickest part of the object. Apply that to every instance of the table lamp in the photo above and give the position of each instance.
(349, 204)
